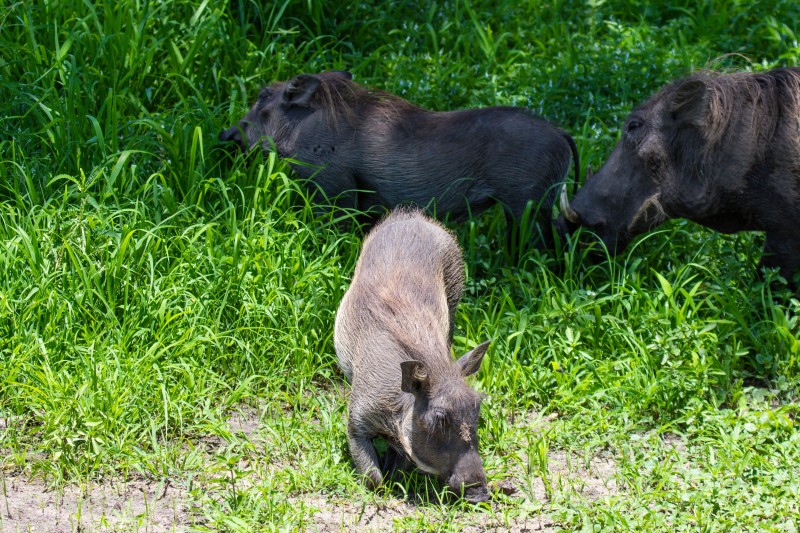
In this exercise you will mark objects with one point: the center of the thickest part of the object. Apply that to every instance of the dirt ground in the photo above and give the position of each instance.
(593, 482)
(138, 505)
(28, 505)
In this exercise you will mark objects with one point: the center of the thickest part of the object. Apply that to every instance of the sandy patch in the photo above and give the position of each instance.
(525, 510)
(28, 505)
(333, 515)
(138, 505)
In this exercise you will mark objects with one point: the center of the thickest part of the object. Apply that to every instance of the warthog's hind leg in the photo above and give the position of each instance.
(783, 252)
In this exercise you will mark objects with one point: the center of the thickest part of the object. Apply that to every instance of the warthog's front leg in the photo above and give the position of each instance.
(364, 455)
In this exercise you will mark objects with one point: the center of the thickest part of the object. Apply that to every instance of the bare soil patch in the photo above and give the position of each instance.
(139, 505)
(28, 505)
(594, 481)
(343, 516)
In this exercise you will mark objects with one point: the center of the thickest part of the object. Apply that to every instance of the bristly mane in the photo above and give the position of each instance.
(339, 97)
(774, 96)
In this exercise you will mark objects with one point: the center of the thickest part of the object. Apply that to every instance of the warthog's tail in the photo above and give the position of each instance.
(577, 161)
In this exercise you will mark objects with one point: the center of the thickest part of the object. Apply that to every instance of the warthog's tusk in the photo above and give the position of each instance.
(566, 210)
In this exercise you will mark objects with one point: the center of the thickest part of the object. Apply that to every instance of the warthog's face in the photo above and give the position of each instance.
(645, 176)
(440, 433)
(280, 107)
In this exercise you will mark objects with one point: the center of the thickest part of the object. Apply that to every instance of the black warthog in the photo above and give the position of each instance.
(722, 150)
(393, 333)
(367, 148)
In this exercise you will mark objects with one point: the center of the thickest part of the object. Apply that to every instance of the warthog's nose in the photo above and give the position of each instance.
(230, 134)
(234, 134)
(469, 478)
(476, 494)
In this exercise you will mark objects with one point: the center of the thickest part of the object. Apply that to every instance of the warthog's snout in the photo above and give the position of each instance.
(234, 134)
(476, 494)
(470, 478)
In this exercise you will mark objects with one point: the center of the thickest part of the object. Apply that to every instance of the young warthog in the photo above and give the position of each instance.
(392, 336)
(721, 150)
(367, 148)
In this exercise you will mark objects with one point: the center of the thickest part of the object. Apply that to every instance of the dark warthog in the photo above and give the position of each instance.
(722, 150)
(393, 333)
(367, 148)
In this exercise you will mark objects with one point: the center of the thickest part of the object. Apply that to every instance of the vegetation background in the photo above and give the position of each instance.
(152, 282)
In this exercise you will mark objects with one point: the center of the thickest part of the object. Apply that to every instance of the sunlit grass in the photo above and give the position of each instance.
(153, 283)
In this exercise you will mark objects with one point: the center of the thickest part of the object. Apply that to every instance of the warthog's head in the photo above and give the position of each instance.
(279, 109)
(652, 174)
(440, 432)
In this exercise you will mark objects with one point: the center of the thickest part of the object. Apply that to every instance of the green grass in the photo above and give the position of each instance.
(152, 283)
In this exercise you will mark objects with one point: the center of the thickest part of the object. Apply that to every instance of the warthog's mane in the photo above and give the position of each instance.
(340, 97)
(773, 98)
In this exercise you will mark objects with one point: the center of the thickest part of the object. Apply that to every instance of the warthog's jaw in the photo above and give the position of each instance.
(405, 442)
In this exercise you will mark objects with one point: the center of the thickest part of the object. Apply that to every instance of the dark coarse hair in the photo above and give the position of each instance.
(772, 97)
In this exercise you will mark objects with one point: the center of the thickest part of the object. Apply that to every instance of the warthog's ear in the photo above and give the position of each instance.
(416, 378)
(470, 362)
(343, 74)
(301, 89)
(689, 104)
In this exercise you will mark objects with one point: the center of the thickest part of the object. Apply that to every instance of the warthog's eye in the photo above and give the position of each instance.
(633, 125)
(436, 418)
(634, 130)
(265, 93)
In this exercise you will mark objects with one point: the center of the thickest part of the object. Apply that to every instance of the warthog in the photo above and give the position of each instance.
(392, 335)
(722, 150)
(367, 148)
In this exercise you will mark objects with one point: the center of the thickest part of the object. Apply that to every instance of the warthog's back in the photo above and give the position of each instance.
(405, 288)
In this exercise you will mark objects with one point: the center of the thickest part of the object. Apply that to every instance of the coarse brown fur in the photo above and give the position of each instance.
(339, 97)
(392, 336)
